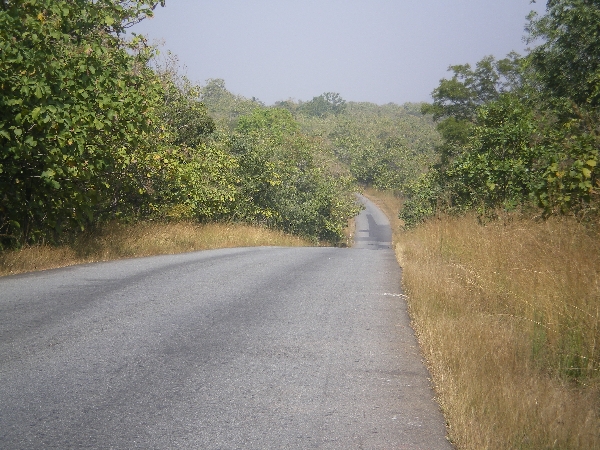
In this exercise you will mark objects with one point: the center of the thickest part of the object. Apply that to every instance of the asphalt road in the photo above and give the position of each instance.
(248, 348)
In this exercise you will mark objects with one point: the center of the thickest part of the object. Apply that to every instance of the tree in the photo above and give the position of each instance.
(225, 107)
(523, 131)
(324, 105)
(384, 146)
(181, 110)
(71, 96)
(567, 62)
(285, 178)
(460, 96)
(456, 100)
(566, 70)
(500, 161)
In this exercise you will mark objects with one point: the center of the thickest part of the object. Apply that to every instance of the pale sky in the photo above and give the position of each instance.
(378, 51)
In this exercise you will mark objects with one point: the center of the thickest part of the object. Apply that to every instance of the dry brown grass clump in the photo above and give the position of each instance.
(508, 317)
(115, 241)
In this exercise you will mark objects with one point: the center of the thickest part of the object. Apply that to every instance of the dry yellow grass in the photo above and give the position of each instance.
(115, 241)
(507, 316)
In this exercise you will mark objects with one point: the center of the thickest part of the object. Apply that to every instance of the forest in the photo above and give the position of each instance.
(522, 131)
(97, 127)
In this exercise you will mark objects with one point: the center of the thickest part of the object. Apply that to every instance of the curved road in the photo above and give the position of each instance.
(247, 348)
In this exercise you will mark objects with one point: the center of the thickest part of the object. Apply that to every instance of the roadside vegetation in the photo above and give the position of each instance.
(500, 241)
(94, 128)
(97, 129)
(116, 240)
(507, 317)
(520, 133)
(506, 314)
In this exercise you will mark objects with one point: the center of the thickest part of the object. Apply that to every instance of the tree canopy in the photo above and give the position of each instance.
(522, 131)
(323, 105)
(93, 127)
(75, 102)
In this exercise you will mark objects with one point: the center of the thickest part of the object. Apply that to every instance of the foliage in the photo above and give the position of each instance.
(523, 131)
(225, 107)
(181, 110)
(455, 101)
(273, 173)
(286, 179)
(90, 133)
(95, 128)
(73, 107)
(567, 66)
(423, 196)
(324, 105)
(385, 146)
(567, 62)
(186, 175)
(460, 96)
(498, 162)
(569, 181)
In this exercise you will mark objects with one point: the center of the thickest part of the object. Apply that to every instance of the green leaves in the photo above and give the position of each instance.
(36, 112)
(285, 181)
(567, 63)
(59, 71)
(271, 126)
(324, 105)
(384, 146)
(460, 96)
(525, 131)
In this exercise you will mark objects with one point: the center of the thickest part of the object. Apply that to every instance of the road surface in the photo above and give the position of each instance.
(247, 348)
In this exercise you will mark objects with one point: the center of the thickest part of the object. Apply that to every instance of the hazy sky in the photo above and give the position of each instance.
(367, 50)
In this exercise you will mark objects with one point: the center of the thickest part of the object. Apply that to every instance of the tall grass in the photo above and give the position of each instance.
(115, 241)
(508, 319)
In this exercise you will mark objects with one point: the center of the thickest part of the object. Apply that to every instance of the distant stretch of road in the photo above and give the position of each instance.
(247, 348)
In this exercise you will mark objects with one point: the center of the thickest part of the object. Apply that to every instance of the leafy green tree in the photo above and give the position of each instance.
(524, 130)
(566, 67)
(181, 110)
(270, 126)
(488, 158)
(456, 100)
(287, 180)
(570, 179)
(324, 105)
(460, 96)
(422, 198)
(499, 162)
(187, 174)
(567, 62)
(192, 183)
(73, 106)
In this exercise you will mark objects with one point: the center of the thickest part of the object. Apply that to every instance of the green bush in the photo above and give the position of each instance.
(73, 109)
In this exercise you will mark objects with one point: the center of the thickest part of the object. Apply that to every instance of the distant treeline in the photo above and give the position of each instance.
(95, 127)
(523, 131)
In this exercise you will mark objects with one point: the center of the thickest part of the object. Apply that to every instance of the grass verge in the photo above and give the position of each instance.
(508, 319)
(116, 241)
